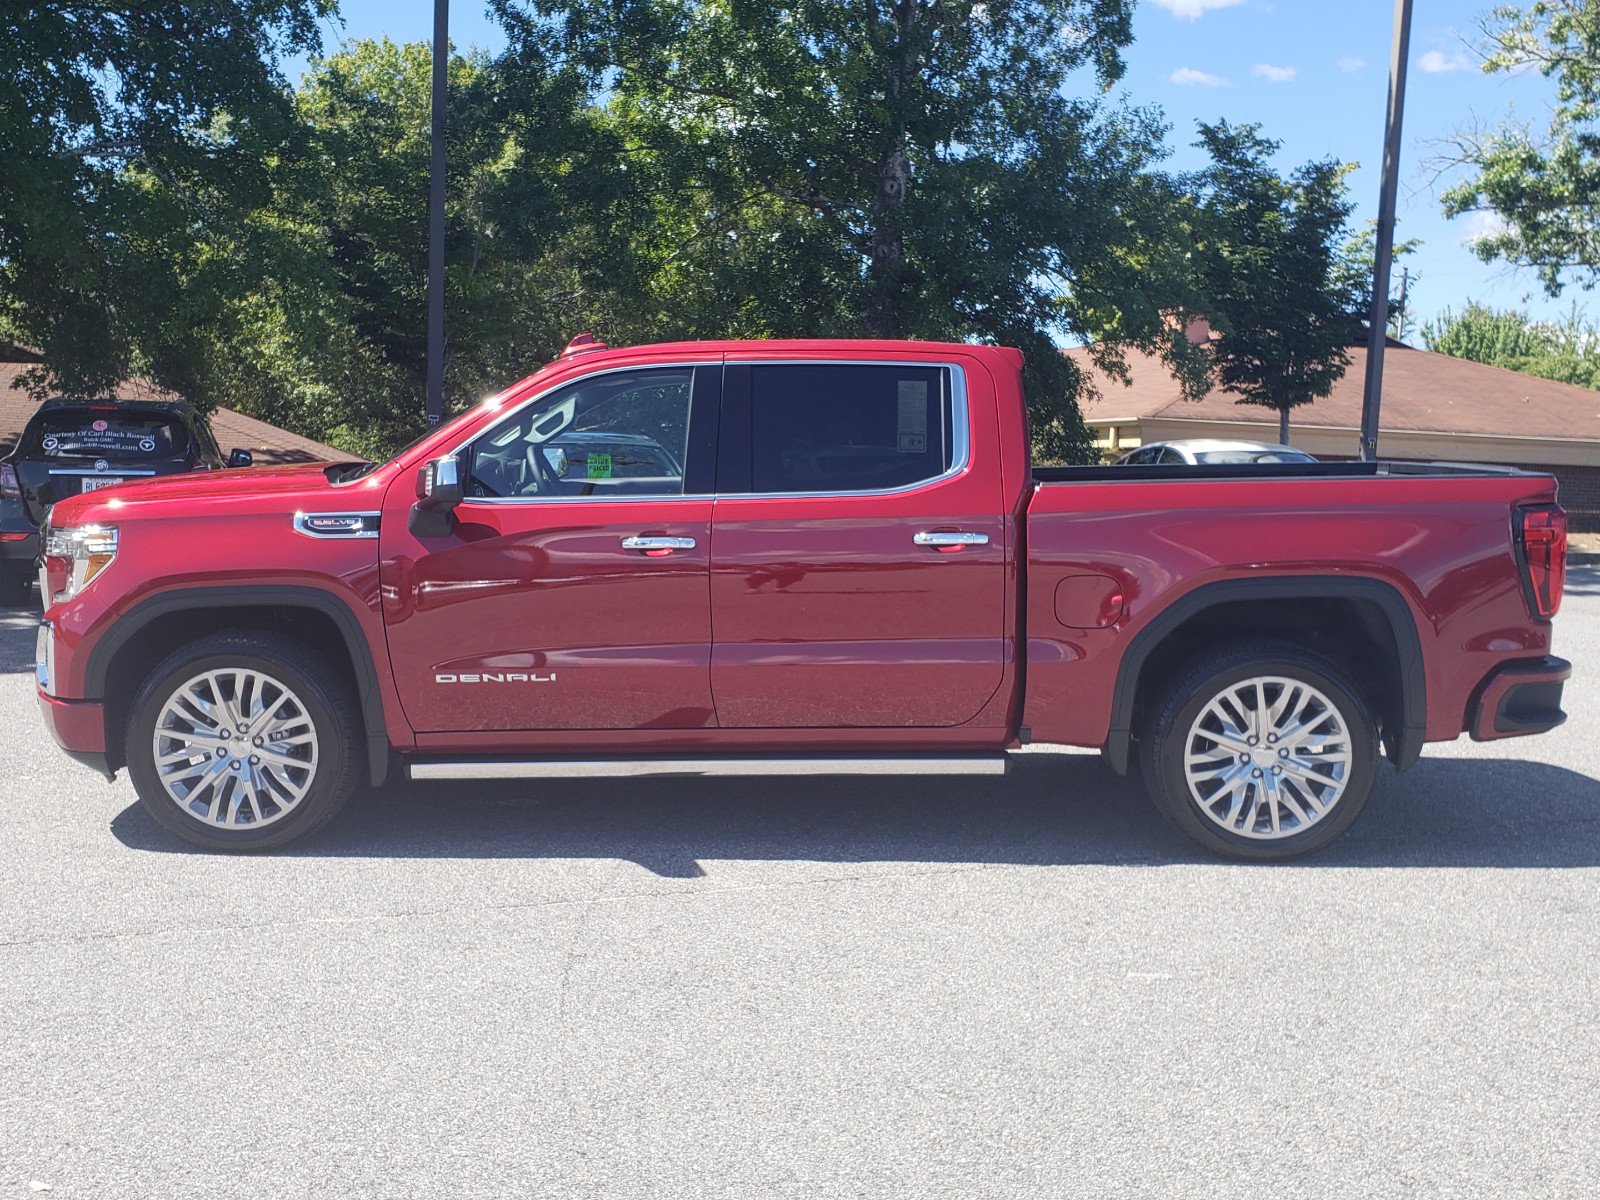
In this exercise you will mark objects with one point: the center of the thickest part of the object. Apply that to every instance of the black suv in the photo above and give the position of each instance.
(73, 446)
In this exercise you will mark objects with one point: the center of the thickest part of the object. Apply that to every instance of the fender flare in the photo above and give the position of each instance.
(1406, 745)
(368, 692)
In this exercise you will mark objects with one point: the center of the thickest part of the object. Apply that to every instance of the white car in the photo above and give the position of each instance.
(1194, 452)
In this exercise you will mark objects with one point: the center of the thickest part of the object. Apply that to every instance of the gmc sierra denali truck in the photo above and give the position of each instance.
(828, 557)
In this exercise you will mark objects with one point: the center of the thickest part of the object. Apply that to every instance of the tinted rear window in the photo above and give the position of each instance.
(846, 428)
(94, 433)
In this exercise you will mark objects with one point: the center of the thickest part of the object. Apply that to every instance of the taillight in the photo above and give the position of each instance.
(1542, 534)
(8, 482)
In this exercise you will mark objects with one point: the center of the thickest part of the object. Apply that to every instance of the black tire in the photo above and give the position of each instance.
(328, 701)
(1163, 747)
(16, 586)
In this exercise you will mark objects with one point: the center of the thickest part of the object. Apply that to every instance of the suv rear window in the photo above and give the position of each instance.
(99, 433)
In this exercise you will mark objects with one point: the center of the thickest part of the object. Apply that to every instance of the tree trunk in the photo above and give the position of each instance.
(1283, 426)
(888, 271)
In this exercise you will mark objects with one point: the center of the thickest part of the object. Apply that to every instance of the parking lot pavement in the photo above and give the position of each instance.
(1019, 987)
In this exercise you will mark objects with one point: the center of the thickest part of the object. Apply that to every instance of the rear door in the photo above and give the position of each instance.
(571, 592)
(858, 561)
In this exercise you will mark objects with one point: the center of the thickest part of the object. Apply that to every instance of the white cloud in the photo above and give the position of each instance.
(1189, 77)
(1481, 225)
(1193, 10)
(1436, 62)
(1272, 74)
(1351, 65)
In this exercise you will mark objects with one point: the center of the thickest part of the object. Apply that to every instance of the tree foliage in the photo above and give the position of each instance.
(898, 168)
(121, 127)
(1540, 187)
(1270, 249)
(1567, 350)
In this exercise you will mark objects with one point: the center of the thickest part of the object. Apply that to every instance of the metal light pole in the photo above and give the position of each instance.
(1377, 333)
(441, 63)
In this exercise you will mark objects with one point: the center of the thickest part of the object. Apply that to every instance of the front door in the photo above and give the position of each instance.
(858, 562)
(572, 591)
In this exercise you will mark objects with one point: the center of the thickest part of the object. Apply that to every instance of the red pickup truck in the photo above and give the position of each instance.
(827, 557)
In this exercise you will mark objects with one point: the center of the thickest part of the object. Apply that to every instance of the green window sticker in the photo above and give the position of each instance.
(599, 466)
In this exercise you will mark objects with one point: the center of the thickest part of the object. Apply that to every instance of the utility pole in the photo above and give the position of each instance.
(441, 64)
(1378, 318)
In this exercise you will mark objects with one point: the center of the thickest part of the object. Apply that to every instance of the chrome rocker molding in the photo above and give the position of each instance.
(988, 764)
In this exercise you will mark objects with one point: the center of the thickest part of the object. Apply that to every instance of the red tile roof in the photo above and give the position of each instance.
(1422, 392)
(234, 431)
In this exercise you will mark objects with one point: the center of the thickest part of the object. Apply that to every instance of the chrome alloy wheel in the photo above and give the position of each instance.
(1268, 757)
(235, 748)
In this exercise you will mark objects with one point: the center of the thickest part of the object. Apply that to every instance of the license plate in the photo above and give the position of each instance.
(92, 483)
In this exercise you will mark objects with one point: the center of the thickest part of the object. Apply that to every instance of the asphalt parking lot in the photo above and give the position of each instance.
(1018, 987)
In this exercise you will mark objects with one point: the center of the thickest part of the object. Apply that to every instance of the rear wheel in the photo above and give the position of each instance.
(244, 741)
(1261, 750)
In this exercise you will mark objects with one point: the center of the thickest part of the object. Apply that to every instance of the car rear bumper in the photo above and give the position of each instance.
(79, 728)
(1520, 698)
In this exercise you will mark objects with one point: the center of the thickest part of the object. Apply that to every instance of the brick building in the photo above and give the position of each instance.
(269, 445)
(1435, 408)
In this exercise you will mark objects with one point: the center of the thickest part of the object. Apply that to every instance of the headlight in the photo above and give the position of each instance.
(73, 557)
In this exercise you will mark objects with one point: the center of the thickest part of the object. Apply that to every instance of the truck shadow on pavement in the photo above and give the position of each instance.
(1053, 809)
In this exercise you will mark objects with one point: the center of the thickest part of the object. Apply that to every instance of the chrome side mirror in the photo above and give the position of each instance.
(438, 492)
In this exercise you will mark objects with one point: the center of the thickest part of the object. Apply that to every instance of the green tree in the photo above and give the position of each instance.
(122, 127)
(1269, 248)
(1353, 273)
(1567, 350)
(1540, 188)
(898, 168)
(309, 310)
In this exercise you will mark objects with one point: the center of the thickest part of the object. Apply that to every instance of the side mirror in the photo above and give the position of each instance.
(438, 492)
(556, 456)
(240, 458)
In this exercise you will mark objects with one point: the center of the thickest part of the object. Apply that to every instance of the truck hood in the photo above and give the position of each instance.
(233, 492)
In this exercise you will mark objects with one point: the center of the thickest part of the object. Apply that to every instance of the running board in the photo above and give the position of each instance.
(588, 768)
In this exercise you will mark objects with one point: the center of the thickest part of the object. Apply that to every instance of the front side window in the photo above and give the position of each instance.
(848, 428)
(620, 434)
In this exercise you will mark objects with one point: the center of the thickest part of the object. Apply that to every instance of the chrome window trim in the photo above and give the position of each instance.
(300, 526)
(960, 432)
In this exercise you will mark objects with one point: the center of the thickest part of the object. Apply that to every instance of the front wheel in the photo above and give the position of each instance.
(1261, 750)
(244, 741)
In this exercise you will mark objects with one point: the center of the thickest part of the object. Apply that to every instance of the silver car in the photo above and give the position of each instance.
(1194, 452)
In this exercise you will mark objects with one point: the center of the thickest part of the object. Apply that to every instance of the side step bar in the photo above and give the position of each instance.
(566, 768)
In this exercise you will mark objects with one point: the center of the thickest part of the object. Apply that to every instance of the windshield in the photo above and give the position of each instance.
(105, 433)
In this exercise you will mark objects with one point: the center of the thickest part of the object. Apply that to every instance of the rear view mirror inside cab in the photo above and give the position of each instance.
(551, 424)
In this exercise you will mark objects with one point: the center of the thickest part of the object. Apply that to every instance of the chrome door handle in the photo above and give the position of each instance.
(951, 538)
(657, 543)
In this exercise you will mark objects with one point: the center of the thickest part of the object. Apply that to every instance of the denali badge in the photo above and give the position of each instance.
(497, 677)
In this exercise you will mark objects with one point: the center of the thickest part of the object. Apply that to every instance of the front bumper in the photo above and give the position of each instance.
(1518, 699)
(79, 728)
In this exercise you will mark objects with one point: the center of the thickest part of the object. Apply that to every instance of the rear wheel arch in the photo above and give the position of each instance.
(120, 661)
(1375, 607)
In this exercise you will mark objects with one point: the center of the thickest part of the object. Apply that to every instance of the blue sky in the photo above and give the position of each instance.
(1312, 73)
